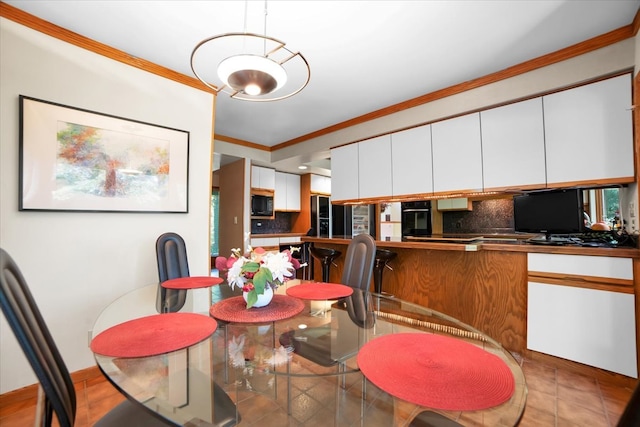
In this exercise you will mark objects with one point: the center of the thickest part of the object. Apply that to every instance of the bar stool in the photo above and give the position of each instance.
(383, 256)
(326, 256)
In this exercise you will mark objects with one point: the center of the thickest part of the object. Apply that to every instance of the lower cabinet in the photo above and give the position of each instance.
(587, 318)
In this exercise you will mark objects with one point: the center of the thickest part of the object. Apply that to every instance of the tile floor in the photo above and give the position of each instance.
(557, 398)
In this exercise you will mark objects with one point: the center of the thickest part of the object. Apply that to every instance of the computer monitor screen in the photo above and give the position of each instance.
(549, 212)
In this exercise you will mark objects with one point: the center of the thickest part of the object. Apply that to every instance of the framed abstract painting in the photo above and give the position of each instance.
(79, 160)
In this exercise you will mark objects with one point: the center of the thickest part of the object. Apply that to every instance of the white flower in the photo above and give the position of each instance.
(279, 265)
(280, 356)
(236, 355)
(234, 276)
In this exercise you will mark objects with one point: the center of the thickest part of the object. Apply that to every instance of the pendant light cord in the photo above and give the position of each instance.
(264, 42)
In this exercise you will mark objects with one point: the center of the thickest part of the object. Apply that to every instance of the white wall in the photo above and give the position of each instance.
(76, 263)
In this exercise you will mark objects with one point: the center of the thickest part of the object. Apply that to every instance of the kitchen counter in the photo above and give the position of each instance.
(483, 282)
(467, 243)
(258, 235)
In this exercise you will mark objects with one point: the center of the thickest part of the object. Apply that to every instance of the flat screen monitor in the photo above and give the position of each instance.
(549, 212)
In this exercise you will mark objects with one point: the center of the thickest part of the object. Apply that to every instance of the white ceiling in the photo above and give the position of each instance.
(364, 55)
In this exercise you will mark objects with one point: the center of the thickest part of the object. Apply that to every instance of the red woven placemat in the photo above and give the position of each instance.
(235, 310)
(436, 371)
(191, 282)
(153, 335)
(319, 291)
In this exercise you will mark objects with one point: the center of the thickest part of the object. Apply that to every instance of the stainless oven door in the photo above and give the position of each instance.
(416, 222)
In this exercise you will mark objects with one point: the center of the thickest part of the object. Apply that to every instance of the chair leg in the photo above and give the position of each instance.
(226, 356)
(288, 387)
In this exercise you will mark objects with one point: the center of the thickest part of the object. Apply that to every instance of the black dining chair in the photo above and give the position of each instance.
(631, 415)
(35, 340)
(59, 397)
(171, 254)
(359, 262)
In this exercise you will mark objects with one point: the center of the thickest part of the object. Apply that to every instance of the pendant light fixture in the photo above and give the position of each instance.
(250, 66)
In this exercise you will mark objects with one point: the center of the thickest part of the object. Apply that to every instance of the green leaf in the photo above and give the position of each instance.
(260, 280)
(252, 298)
(251, 267)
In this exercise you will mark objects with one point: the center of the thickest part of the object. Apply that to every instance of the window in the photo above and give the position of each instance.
(603, 205)
(215, 199)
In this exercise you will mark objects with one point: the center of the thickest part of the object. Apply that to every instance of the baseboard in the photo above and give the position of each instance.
(579, 368)
(30, 392)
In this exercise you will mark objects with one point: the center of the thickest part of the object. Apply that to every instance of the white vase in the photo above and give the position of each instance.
(263, 299)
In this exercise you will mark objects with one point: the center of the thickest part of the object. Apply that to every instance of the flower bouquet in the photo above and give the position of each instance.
(257, 270)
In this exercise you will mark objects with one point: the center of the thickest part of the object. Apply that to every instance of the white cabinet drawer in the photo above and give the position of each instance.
(257, 242)
(286, 240)
(582, 265)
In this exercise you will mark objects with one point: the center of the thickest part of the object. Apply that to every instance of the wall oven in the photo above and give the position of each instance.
(416, 218)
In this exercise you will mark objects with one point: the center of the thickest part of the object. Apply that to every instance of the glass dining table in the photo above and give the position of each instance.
(365, 359)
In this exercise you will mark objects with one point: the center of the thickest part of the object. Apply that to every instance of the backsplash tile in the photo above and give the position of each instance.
(281, 224)
(494, 216)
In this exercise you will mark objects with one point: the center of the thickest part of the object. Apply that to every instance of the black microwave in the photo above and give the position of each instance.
(261, 205)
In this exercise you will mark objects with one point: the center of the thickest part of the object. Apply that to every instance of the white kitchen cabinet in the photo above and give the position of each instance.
(287, 192)
(513, 154)
(582, 308)
(588, 133)
(293, 192)
(268, 243)
(344, 173)
(457, 154)
(280, 194)
(411, 164)
(263, 178)
(320, 184)
(457, 204)
(374, 167)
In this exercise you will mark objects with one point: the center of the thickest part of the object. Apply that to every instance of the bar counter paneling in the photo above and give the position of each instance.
(483, 284)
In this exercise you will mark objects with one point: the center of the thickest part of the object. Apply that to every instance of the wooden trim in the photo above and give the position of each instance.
(579, 368)
(45, 27)
(262, 192)
(586, 282)
(31, 391)
(241, 142)
(598, 183)
(636, 138)
(578, 49)
(598, 42)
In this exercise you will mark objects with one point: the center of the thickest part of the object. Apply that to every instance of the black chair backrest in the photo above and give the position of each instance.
(35, 340)
(360, 309)
(359, 261)
(171, 253)
(631, 415)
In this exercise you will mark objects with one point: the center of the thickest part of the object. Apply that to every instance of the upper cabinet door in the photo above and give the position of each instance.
(411, 161)
(264, 178)
(280, 194)
(293, 192)
(344, 173)
(320, 184)
(588, 133)
(287, 194)
(513, 154)
(457, 154)
(374, 167)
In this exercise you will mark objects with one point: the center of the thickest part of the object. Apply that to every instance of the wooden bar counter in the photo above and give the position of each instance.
(483, 284)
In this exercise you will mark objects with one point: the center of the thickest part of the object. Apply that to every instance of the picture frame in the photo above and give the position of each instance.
(72, 159)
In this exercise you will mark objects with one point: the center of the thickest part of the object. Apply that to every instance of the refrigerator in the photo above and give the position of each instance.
(350, 220)
(321, 215)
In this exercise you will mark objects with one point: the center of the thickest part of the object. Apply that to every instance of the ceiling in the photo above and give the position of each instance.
(364, 55)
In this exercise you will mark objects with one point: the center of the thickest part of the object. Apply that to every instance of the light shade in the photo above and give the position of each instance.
(252, 74)
(250, 67)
